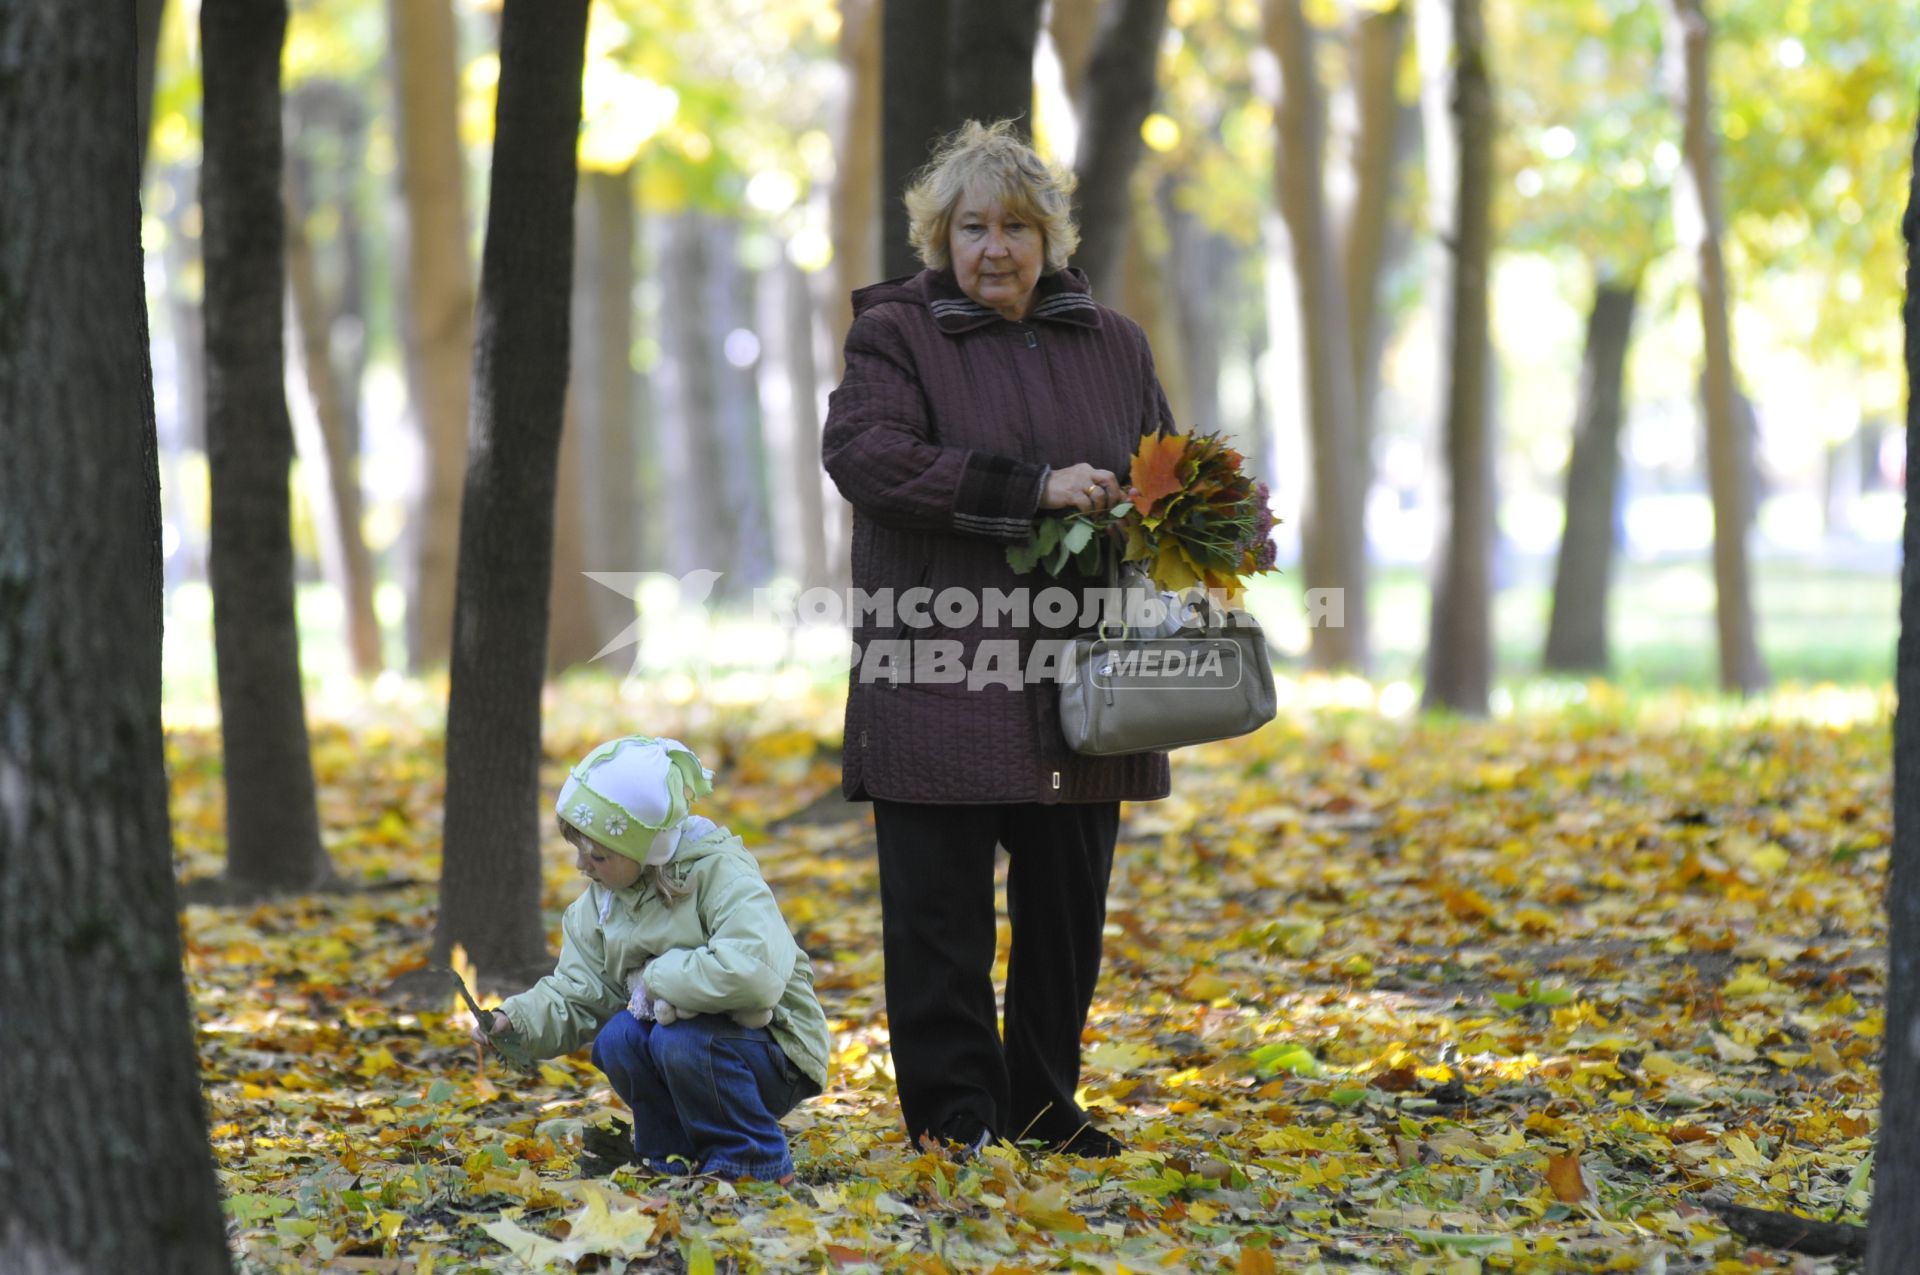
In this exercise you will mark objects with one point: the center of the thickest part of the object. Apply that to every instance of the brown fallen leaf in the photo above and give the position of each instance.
(1563, 1175)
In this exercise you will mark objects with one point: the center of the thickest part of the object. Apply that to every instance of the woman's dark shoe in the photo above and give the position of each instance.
(962, 1137)
(604, 1148)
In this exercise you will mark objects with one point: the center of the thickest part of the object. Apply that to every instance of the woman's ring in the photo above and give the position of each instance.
(1093, 491)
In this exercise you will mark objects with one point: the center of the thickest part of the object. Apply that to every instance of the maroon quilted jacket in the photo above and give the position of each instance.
(941, 435)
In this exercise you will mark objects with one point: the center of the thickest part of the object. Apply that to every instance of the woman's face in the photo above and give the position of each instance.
(996, 255)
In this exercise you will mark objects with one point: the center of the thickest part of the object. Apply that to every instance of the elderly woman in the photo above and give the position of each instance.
(980, 394)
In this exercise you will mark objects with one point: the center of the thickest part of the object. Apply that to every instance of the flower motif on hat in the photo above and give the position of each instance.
(582, 815)
(615, 825)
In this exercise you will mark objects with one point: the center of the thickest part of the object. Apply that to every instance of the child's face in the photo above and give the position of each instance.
(614, 871)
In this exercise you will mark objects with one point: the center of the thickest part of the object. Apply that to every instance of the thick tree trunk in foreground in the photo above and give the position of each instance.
(1729, 449)
(436, 312)
(1895, 1216)
(1460, 636)
(1583, 575)
(490, 873)
(1120, 84)
(273, 826)
(1333, 531)
(146, 36)
(106, 1165)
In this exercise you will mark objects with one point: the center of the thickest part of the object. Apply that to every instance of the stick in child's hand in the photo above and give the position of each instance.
(507, 1049)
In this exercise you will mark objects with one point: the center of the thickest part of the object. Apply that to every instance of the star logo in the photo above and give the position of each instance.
(670, 614)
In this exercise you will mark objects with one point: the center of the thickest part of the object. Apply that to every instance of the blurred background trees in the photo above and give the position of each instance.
(1269, 187)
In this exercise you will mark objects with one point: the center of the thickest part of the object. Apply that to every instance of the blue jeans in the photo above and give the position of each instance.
(706, 1093)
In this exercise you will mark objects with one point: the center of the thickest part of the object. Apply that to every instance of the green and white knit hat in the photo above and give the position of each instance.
(632, 795)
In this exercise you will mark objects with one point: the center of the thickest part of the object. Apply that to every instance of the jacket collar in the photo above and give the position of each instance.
(1060, 297)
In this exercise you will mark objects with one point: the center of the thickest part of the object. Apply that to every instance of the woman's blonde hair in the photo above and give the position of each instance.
(990, 160)
(654, 874)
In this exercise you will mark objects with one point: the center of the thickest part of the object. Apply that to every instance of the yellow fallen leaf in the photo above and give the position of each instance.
(1118, 1056)
(1731, 1050)
(1202, 986)
(1046, 1208)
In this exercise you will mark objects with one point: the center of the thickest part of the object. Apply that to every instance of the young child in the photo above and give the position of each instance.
(678, 965)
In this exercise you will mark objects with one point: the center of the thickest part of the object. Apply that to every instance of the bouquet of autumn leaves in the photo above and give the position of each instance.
(1192, 517)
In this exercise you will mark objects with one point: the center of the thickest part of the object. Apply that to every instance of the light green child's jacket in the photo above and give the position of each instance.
(723, 946)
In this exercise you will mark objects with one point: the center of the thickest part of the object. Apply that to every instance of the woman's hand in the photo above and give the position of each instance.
(496, 1023)
(1082, 487)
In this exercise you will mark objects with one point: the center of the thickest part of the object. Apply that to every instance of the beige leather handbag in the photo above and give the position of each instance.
(1200, 676)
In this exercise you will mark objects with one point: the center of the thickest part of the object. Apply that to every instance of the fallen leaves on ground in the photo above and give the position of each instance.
(1379, 995)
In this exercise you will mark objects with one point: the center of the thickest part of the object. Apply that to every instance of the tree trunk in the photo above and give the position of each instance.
(327, 434)
(741, 455)
(571, 630)
(490, 875)
(1729, 449)
(857, 218)
(942, 64)
(1577, 633)
(180, 260)
(789, 320)
(1147, 294)
(1379, 151)
(708, 536)
(107, 1166)
(855, 198)
(1460, 639)
(990, 70)
(146, 41)
(1199, 267)
(914, 112)
(1894, 1219)
(1334, 533)
(1073, 25)
(273, 826)
(436, 313)
(1120, 85)
(622, 496)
